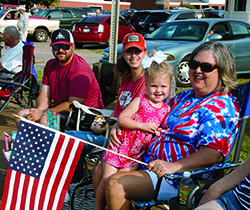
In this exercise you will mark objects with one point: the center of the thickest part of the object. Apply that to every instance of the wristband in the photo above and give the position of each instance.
(44, 112)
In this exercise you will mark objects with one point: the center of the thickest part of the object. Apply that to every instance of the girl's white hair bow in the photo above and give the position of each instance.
(158, 58)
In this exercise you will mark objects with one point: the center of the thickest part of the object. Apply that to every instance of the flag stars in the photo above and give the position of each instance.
(29, 154)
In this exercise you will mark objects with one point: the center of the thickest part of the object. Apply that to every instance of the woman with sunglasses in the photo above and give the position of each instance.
(197, 132)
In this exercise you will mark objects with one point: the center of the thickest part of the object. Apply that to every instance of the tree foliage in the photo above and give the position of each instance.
(30, 3)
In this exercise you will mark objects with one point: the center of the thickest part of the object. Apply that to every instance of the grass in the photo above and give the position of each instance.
(97, 51)
(246, 142)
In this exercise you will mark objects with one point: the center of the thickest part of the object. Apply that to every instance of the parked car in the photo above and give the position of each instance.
(138, 18)
(39, 27)
(66, 15)
(88, 10)
(157, 18)
(219, 12)
(106, 12)
(178, 39)
(127, 13)
(96, 29)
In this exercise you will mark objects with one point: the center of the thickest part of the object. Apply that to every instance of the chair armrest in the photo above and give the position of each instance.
(90, 110)
(225, 165)
(111, 120)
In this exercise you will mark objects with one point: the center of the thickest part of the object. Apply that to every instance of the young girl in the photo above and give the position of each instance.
(140, 120)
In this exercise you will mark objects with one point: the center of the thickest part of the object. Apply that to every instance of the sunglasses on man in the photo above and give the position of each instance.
(206, 67)
(63, 46)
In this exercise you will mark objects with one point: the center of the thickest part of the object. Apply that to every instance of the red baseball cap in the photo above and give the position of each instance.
(134, 40)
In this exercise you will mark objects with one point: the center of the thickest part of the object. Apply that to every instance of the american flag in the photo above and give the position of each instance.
(40, 169)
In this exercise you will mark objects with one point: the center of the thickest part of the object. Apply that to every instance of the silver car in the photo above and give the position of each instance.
(178, 39)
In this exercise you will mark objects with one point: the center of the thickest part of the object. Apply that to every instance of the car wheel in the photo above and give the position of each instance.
(182, 75)
(41, 35)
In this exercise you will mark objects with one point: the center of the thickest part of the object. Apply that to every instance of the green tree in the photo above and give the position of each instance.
(30, 3)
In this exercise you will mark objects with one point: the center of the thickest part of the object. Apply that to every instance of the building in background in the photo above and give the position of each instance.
(141, 4)
(97, 4)
(198, 4)
(238, 9)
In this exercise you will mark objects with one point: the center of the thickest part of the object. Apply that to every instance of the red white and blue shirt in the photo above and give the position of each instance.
(211, 121)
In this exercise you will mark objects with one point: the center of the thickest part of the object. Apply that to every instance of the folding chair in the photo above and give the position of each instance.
(85, 116)
(82, 196)
(24, 87)
(242, 92)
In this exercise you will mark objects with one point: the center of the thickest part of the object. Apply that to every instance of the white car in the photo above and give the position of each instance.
(39, 27)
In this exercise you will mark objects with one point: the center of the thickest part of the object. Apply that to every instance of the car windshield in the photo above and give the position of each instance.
(92, 18)
(157, 17)
(139, 15)
(42, 13)
(185, 31)
(2, 12)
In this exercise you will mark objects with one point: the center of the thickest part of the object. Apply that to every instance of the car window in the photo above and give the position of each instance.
(209, 14)
(222, 29)
(239, 30)
(93, 19)
(42, 13)
(66, 14)
(188, 31)
(122, 22)
(79, 13)
(54, 15)
(157, 17)
(199, 14)
(183, 16)
(2, 12)
(139, 17)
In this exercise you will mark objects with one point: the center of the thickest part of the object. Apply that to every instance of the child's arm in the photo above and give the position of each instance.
(125, 121)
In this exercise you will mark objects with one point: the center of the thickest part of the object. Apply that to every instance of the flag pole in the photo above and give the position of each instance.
(103, 148)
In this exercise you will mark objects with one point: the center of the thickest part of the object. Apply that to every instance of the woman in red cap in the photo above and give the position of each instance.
(129, 69)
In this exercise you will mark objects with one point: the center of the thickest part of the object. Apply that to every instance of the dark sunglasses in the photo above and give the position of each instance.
(206, 67)
(63, 46)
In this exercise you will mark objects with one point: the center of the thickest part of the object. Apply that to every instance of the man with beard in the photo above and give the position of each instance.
(66, 78)
(12, 60)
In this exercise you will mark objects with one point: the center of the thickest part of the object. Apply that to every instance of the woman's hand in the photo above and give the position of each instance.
(161, 167)
(113, 140)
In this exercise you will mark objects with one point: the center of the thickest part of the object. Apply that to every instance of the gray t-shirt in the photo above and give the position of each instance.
(23, 21)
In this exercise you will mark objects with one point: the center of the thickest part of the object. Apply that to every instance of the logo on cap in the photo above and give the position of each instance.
(59, 36)
(133, 38)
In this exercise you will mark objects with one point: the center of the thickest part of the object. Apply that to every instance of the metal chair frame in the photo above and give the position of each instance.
(24, 87)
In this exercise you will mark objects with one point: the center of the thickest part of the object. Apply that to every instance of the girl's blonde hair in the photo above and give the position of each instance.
(163, 69)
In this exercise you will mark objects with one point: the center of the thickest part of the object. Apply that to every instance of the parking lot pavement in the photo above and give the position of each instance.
(43, 53)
